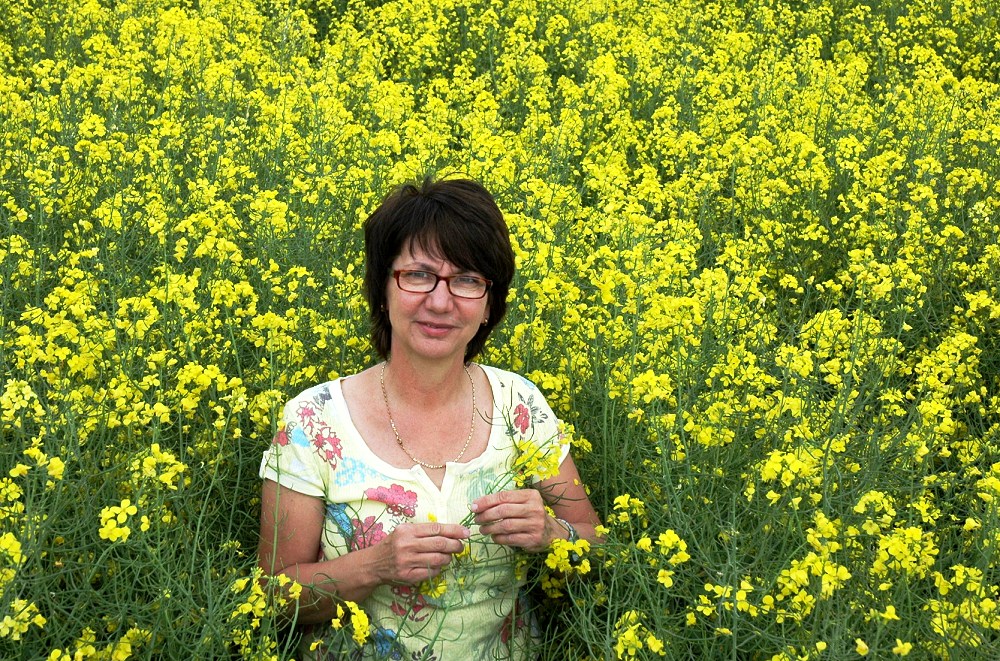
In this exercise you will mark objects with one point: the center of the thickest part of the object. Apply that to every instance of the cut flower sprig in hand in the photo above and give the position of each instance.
(532, 462)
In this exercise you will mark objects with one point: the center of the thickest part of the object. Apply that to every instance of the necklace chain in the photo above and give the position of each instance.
(399, 441)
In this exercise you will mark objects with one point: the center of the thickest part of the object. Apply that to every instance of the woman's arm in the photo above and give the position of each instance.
(291, 526)
(518, 517)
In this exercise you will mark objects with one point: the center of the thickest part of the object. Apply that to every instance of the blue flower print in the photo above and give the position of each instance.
(338, 513)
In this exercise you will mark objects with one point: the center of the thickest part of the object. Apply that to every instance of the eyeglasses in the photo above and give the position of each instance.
(423, 282)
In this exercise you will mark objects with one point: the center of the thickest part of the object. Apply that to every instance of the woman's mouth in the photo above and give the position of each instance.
(434, 328)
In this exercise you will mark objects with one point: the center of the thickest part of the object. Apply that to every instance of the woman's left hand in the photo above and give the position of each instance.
(517, 518)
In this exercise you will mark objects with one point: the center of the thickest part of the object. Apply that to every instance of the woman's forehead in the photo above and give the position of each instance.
(427, 247)
(413, 252)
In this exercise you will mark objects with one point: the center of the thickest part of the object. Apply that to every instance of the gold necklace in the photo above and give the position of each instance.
(399, 441)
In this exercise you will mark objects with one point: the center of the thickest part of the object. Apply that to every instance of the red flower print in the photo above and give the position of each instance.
(281, 438)
(399, 501)
(306, 412)
(510, 625)
(522, 418)
(367, 533)
(408, 603)
(327, 444)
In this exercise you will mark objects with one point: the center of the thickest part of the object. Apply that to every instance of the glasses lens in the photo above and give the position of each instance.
(416, 281)
(467, 286)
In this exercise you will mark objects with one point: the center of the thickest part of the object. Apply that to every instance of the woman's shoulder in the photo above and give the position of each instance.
(326, 390)
(316, 393)
(509, 380)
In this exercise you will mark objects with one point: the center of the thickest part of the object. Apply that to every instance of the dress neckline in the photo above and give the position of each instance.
(417, 472)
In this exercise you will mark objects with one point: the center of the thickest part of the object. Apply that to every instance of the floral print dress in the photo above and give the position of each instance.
(473, 609)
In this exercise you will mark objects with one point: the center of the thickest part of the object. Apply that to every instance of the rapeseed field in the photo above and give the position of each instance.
(758, 278)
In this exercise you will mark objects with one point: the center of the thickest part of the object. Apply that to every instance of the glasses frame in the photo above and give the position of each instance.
(447, 281)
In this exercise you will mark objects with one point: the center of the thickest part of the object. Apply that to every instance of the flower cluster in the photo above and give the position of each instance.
(564, 559)
(122, 649)
(263, 601)
(114, 519)
(349, 615)
(21, 616)
(632, 636)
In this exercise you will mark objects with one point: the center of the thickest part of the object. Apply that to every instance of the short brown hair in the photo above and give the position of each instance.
(457, 218)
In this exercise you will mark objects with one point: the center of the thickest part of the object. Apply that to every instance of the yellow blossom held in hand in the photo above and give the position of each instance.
(434, 587)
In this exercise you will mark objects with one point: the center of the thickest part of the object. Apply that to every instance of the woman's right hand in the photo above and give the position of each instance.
(415, 552)
(291, 531)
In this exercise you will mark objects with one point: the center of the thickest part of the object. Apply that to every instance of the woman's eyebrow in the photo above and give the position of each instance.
(419, 266)
(424, 266)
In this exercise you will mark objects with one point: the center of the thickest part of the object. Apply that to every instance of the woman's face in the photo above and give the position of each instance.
(433, 325)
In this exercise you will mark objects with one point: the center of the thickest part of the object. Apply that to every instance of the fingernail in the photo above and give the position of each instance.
(466, 531)
(473, 507)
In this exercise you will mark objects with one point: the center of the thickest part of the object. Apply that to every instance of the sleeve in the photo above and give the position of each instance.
(556, 442)
(540, 445)
(292, 459)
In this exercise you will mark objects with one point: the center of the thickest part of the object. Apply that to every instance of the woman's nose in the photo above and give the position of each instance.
(440, 297)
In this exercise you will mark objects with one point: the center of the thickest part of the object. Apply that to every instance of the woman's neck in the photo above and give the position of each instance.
(427, 384)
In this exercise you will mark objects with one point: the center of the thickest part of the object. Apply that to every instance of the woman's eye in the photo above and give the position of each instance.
(419, 275)
(467, 281)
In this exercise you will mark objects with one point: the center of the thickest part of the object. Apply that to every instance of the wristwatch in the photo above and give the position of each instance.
(573, 537)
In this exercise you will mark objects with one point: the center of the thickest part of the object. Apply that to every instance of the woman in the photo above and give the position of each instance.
(392, 488)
